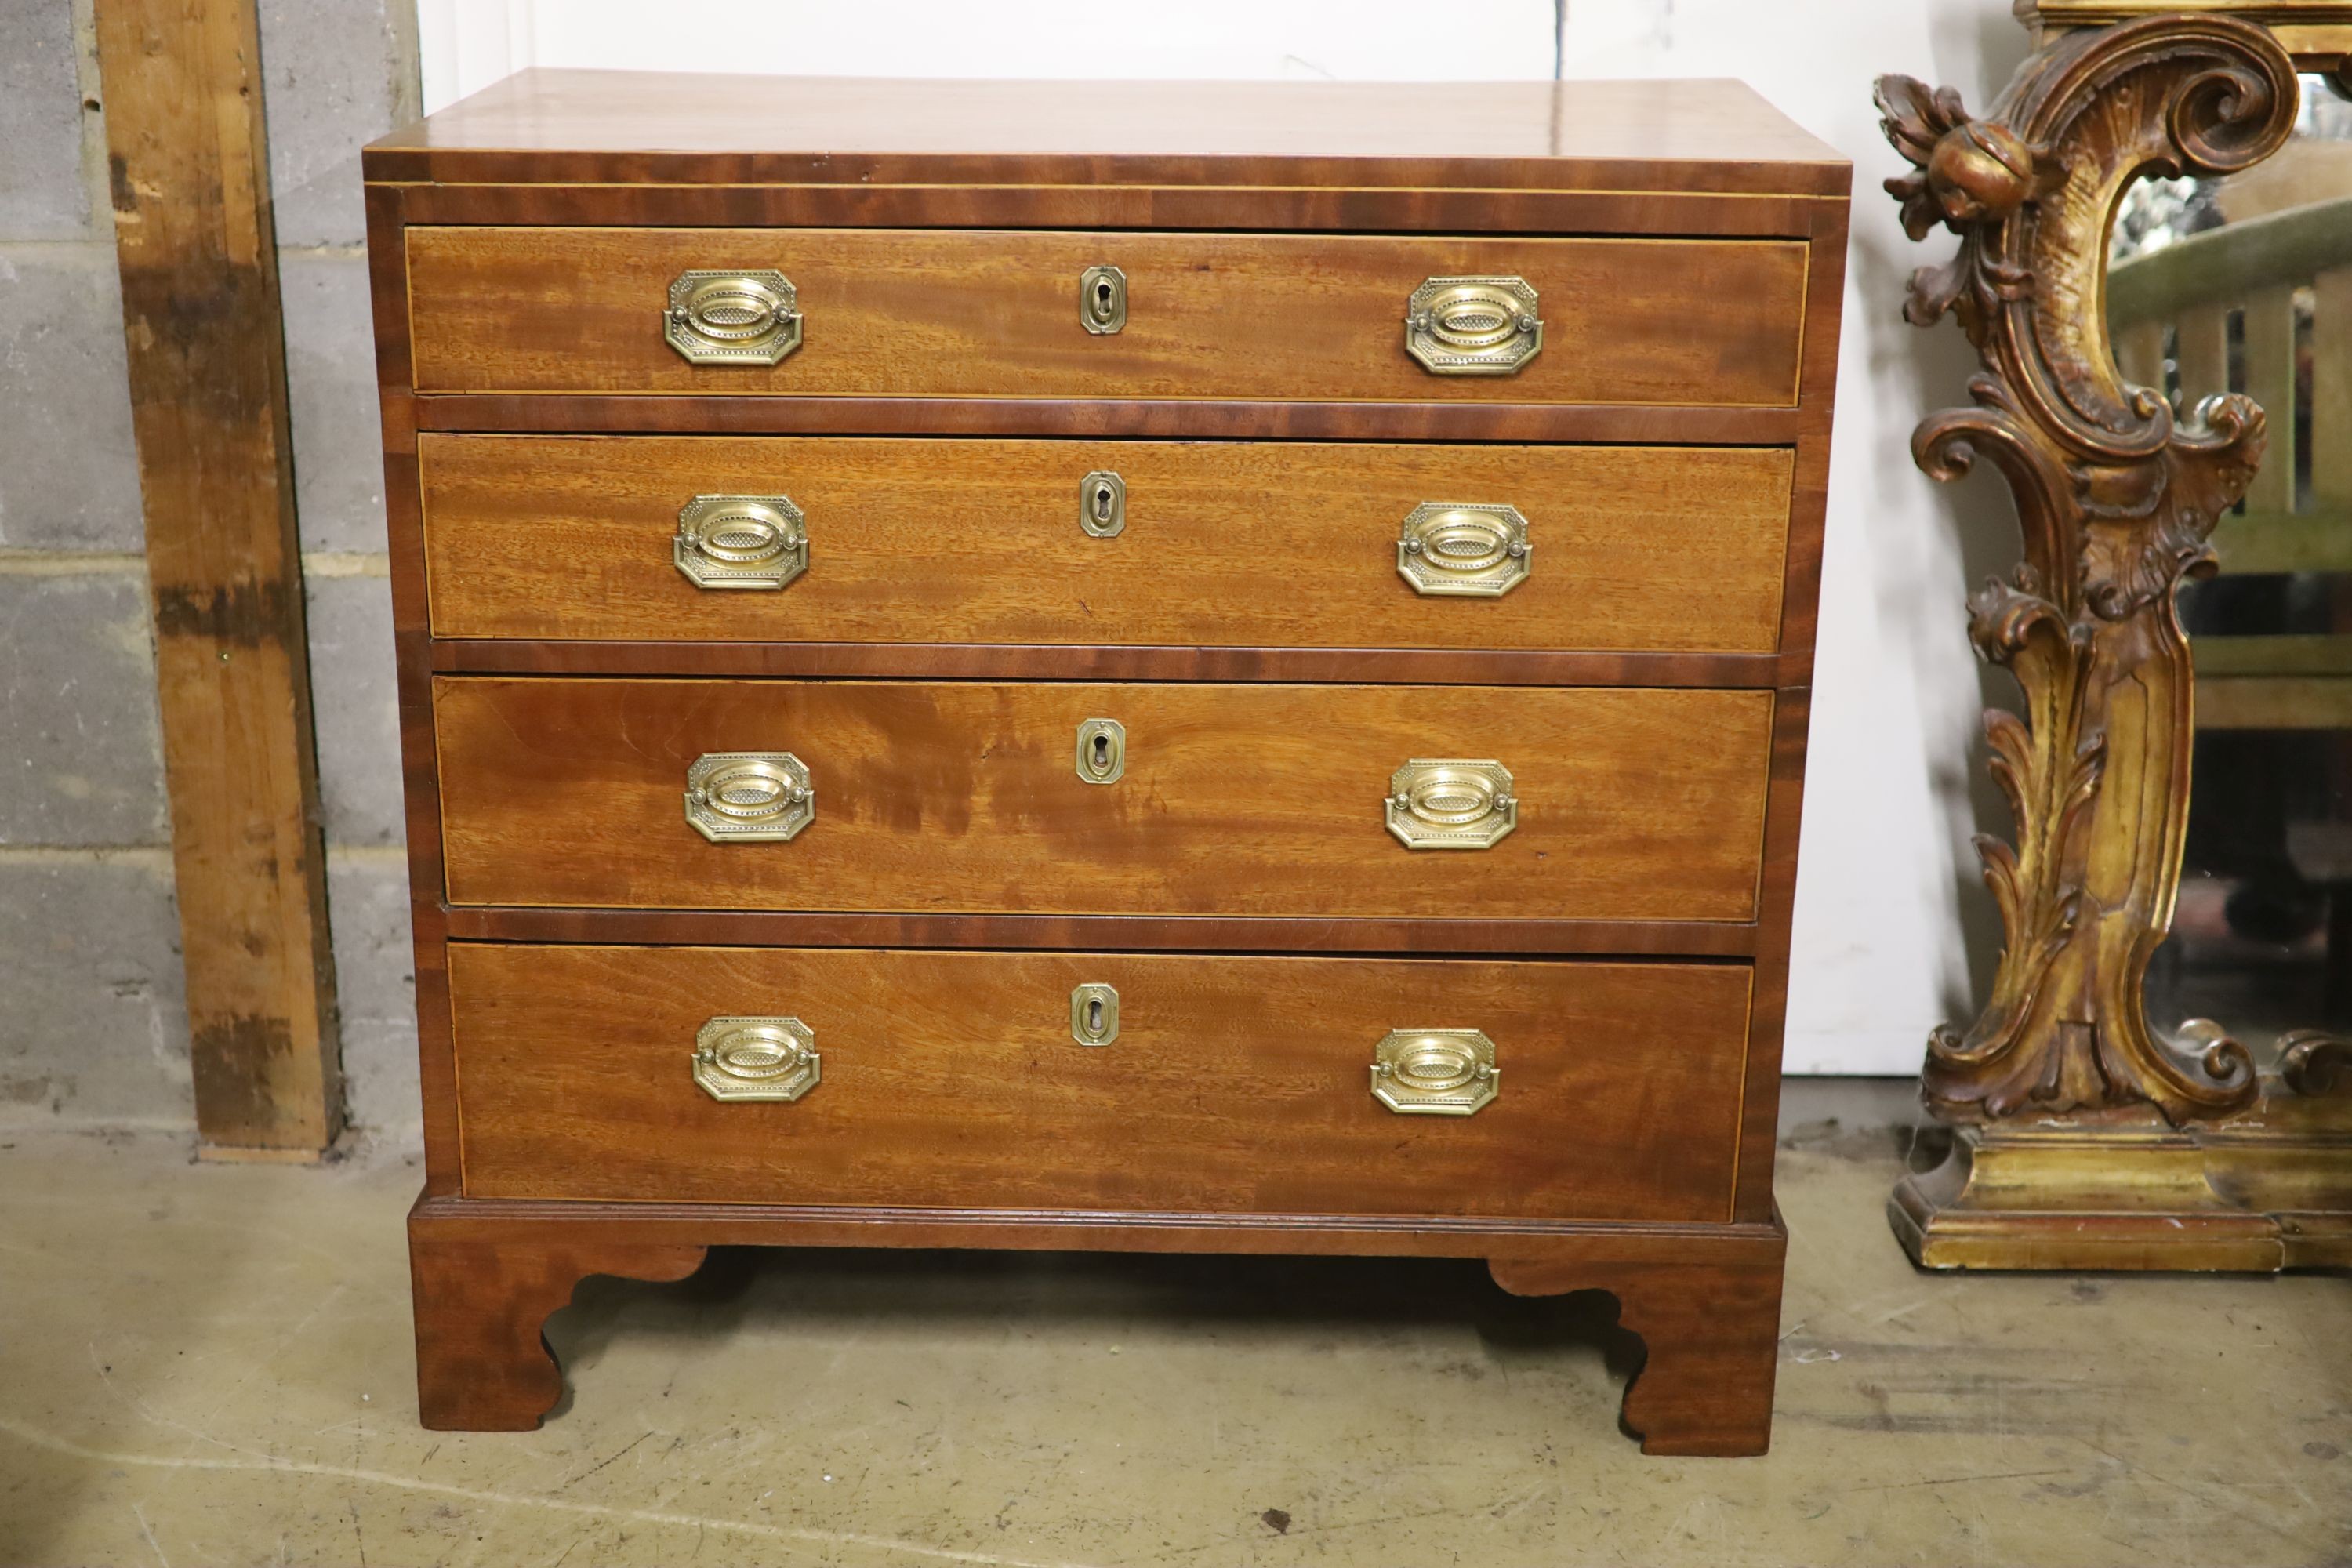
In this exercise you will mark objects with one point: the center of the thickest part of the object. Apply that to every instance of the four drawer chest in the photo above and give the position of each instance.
(1094, 664)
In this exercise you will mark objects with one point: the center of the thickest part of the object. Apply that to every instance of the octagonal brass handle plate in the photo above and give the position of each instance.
(740, 541)
(1473, 326)
(756, 1058)
(1093, 1014)
(732, 318)
(1452, 803)
(1435, 1072)
(749, 797)
(1468, 549)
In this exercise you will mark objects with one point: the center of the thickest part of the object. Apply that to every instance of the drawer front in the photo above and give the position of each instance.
(966, 798)
(902, 313)
(1188, 544)
(1233, 1085)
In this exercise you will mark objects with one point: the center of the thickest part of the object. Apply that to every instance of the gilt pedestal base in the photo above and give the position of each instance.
(2268, 1189)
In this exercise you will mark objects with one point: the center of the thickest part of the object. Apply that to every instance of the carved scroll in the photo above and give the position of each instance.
(2116, 498)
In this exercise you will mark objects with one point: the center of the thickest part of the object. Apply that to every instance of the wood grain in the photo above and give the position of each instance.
(205, 344)
(1237, 1085)
(639, 128)
(908, 312)
(1215, 933)
(1711, 1327)
(1115, 662)
(1271, 545)
(1759, 1114)
(1342, 209)
(420, 787)
(963, 797)
(1817, 398)
(1188, 420)
(481, 1362)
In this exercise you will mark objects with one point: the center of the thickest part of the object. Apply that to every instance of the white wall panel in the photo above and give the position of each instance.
(1358, 40)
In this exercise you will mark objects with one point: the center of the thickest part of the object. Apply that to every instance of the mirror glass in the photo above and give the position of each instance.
(2245, 284)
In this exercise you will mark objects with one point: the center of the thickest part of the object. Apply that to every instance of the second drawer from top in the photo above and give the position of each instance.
(1263, 544)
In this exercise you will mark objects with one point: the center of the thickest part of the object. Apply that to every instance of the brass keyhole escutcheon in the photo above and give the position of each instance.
(1102, 503)
(1093, 1014)
(1102, 299)
(1102, 751)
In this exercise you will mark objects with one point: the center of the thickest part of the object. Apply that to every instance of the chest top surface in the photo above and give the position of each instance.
(547, 126)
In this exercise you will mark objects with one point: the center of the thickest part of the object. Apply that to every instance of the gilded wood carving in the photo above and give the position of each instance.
(2115, 497)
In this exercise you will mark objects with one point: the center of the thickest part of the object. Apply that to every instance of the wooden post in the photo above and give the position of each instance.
(182, 81)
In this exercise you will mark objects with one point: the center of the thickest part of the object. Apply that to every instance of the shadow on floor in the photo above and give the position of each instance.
(780, 1290)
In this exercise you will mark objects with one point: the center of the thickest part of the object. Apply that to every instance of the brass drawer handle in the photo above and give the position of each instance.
(740, 541)
(1102, 504)
(1464, 548)
(756, 1058)
(1102, 299)
(732, 318)
(1473, 326)
(1102, 751)
(1093, 1014)
(1452, 803)
(749, 797)
(1435, 1072)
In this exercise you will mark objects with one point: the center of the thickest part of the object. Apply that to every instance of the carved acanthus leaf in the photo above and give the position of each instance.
(2003, 615)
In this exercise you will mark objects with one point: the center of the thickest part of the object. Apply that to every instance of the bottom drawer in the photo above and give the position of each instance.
(1231, 1085)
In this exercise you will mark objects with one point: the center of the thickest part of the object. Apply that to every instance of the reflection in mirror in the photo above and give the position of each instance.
(2245, 285)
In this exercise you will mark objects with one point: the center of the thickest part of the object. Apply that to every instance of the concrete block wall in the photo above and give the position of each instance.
(93, 1026)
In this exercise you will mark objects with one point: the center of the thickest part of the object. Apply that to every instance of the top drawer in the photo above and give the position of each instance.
(930, 313)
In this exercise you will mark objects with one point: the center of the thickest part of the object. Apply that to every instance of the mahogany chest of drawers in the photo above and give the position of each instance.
(1104, 665)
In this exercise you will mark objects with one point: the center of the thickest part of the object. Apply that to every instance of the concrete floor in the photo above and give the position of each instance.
(211, 1365)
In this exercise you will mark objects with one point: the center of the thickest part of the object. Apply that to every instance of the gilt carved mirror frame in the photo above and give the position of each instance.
(2084, 1136)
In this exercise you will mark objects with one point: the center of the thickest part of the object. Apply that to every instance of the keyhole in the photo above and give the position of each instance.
(1093, 1016)
(1102, 299)
(1102, 754)
(1102, 503)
